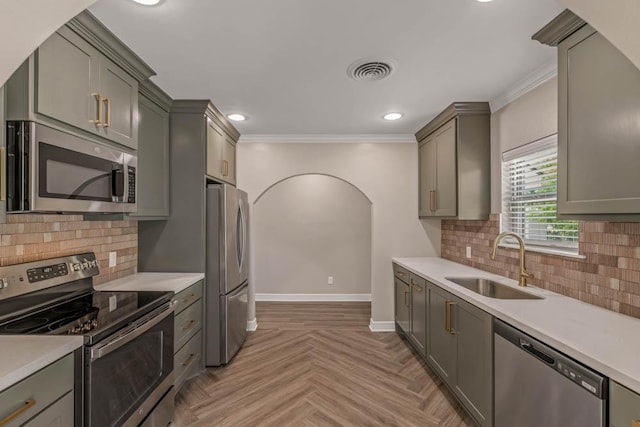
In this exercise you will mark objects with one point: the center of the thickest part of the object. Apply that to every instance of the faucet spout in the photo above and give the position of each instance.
(524, 274)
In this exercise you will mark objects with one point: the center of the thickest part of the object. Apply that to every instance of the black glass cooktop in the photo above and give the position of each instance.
(93, 315)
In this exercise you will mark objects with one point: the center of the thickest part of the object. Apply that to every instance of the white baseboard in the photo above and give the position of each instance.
(252, 325)
(382, 326)
(313, 297)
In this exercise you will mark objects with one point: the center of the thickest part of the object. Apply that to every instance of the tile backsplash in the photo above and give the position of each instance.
(609, 277)
(28, 237)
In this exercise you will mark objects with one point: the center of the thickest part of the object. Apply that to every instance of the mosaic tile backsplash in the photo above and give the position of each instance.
(28, 237)
(609, 277)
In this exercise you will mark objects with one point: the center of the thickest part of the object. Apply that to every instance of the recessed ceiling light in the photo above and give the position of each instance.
(392, 116)
(236, 117)
(147, 2)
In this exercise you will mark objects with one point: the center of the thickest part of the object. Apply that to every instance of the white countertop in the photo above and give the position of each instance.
(23, 355)
(171, 282)
(606, 341)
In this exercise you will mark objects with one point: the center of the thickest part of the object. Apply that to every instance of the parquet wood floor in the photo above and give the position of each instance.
(317, 364)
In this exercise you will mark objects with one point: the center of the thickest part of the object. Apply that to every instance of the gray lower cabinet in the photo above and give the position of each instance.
(402, 299)
(188, 347)
(153, 174)
(418, 311)
(454, 163)
(402, 307)
(460, 349)
(624, 406)
(45, 398)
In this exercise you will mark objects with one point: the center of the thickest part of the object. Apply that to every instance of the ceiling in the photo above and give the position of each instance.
(283, 63)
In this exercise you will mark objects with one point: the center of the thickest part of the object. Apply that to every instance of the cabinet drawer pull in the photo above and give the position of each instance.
(189, 325)
(24, 408)
(400, 273)
(189, 298)
(417, 288)
(98, 121)
(190, 359)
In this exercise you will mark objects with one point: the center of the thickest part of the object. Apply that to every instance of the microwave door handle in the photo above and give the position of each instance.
(117, 183)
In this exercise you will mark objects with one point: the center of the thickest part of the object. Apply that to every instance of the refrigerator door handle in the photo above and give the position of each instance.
(241, 236)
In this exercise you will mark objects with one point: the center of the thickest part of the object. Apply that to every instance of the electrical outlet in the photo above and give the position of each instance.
(468, 251)
(330, 280)
(113, 259)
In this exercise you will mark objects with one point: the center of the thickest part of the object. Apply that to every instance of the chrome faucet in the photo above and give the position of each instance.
(524, 274)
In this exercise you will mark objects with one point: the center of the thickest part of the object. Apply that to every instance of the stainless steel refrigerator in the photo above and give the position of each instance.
(227, 272)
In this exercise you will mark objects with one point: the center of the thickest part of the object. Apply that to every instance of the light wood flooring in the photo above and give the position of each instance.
(317, 364)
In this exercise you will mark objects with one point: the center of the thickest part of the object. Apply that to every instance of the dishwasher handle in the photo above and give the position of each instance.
(529, 348)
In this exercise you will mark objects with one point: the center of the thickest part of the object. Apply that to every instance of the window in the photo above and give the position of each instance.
(529, 195)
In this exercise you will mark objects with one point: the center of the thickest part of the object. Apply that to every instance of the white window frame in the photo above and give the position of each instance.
(541, 245)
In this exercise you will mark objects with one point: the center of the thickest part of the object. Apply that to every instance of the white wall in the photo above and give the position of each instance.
(387, 173)
(25, 24)
(529, 118)
(308, 228)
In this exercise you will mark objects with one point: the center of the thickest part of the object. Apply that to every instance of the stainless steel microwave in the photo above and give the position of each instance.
(52, 171)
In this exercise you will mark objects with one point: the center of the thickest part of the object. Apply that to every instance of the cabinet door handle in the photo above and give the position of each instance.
(406, 304)
(189, 360)
(432, 201)
(3, 174)
(450, 305)
(98, 121)
(108, 119)
(15, 414)
(225, 168)
(446, 316)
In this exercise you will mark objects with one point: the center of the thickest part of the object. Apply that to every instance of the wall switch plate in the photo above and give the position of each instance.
(113, 303)
(330, 280)
(468, 251)
(113, 259)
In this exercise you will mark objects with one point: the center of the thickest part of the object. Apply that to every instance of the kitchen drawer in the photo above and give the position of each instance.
(187, 360)
(187, 324)
(401, 273)
(60, 414)
(188, 296)
(624, 406)
(40, 390)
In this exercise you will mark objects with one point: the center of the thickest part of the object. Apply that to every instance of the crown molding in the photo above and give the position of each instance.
(456, 109)
(527, 84)
(561, 27)
(153, 92)
(328, 139)
(205, 107)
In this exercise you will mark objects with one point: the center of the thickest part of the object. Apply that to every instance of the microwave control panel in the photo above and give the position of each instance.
(131, 196)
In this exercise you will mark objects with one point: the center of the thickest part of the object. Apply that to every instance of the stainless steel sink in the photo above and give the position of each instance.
(491, 289)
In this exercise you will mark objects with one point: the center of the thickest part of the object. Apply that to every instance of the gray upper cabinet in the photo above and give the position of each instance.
(221, 153)
(598, 104)
(153, 174)
(460, 349)
(81, 79)
(454, 163)
(229, 160)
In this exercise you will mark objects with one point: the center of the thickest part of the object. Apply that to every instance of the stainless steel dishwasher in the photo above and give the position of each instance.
(537, 386)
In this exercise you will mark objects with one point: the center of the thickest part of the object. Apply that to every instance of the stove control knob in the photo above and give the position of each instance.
(85, 265)
(76, 266)
(3, 283)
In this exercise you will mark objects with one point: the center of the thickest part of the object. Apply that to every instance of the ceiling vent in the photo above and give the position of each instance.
(371, 69)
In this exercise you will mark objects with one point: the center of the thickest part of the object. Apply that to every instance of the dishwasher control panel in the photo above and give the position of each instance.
(575, 376)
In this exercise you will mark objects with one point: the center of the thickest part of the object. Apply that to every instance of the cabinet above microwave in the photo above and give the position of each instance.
(82, 78)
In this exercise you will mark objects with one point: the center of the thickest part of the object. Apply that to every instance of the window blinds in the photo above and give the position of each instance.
(529, 189)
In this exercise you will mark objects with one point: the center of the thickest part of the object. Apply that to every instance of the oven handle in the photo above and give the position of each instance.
(97, 353)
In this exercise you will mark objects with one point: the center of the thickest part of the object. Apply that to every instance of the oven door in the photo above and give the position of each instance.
(127, 375)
